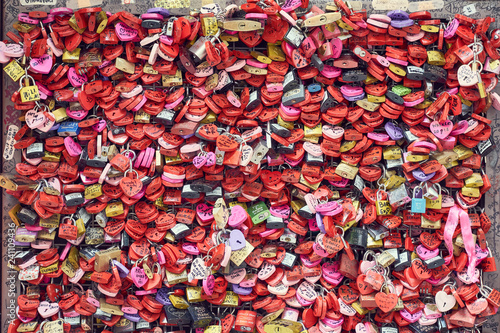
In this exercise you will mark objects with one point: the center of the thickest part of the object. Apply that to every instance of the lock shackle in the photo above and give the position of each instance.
(80, 292)
(141, 260)
(369, 253)
(40, 330)
(415, 188)
(388, 285)
(131, 170)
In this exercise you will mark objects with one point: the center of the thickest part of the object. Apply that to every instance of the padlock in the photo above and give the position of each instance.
(245, 320)
(383, 206)
(418, 204)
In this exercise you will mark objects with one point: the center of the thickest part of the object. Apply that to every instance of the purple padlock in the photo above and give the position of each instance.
(421, 176)
(237, 289)
(395, 132)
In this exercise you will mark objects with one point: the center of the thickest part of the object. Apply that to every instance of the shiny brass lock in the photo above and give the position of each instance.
(383, 206)
(14, 70)
(231, 299)
(114, 209)
(346, 170)
(371, 243)
(174, 278)
(28, 93)
(315, 131)
(475, 180)
(428, 224)
(471, 192)
(394, 181)
(275, 52)
(93, 191)
(193, 294)
(436, 58)
(172, 80)
(71, 57)
(392, 153)
(142, 117)
(463, 152)
(445, 157)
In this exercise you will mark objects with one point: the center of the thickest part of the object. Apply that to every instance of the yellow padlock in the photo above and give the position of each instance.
(383, 206)
(28, 93)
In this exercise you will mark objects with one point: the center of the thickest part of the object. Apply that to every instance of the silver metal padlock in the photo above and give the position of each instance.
(259, 152)
(291, 81)
(392, 164)
(35, 150)
(180, 230)
(27, 216)
(189, 193)
(314, 160)
(280, 130)
(294, 96)
(274, 222)
(165, 117)
(215, 194)
(74, 199)
(377, 231)
(101, 219)
(294, 36)
(415, 73)
(254, 100)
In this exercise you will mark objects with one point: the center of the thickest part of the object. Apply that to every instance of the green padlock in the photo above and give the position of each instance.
(259, 213)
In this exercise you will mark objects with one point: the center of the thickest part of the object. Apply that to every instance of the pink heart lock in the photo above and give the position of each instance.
(351, 91)
(13, 50)
(236, 276)
(441, 129)
(46, 309)
(34, 119)
(330, 271)
(313, 149)
(290, 110)
(431, 312)
(360, 328)
(424, 253)
(303, 302)
(93, 301)
(124, 32)
(333, 132)
(73, 148)
(311, 202)
(332, 322)
(100, 126)
(190, 248)
(282, 211)
(378, 136)
(138, 276)
(76, 79)
(76, 114)
(49, 122)
(307, 262)
(478, 306)
(462, 126)
(291, 5)
(320, 251)
(336, 48)
(199, 161)
(41, 65)
(249, 281)
(236, 240)
(238, 216)
(495, 100)
(313, 224)
(326, 207)
(127, 308)
(205, 212)
(346, 309)
(208, 284)
(331, 72)
(340, 183)
(227, 255)
(211, 159)
(306, 291)
(480, 253)
(409, 316)
(3, 58)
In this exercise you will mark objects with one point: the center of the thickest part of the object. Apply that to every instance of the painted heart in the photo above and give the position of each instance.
(236, 240)
(466, 77)
(41, 65)
(478, 306)
(445, 302)
(386, 302)
(199, 161)
(430, 241)
(34, 119)
(363, 287)
(313, 149)
(441, 129)
(130, 186)
(154, 131)
(138, 276)
(76, 79)
(47, 309)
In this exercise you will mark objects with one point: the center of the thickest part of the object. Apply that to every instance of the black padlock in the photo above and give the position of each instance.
(435, 262)
(124, 240)
(142, 325)
(291, 81)
(177, 316)
(328, 102)
(35, 150)
(151, 24)
(74, 199)
(289, 260)
(215, 194)
(317, 63)
(201, 315)
(314, 160)
(354, 75)
(393, 97)
(441, 325)
(415, 73)
(435, 73)
(357, 236)
(294, 36)
(294, 96)
(402, 261)
(486, 147)
(89, 252)
(101, 315)
(189, 193)
(280, 130)
(377, 231)
(274, 222)
(282, 149)
(418, 328)
(27, 216)
(23, 256)
(165, 117)
(45, 135)
(201, 185)
(306, 213)
(254, 100)
(180, 230)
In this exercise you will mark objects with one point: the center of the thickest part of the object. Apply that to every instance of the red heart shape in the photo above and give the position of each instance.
(130, 187)
(386, 302)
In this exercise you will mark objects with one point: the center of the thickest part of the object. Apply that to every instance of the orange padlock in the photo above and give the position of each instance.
(245, 320)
